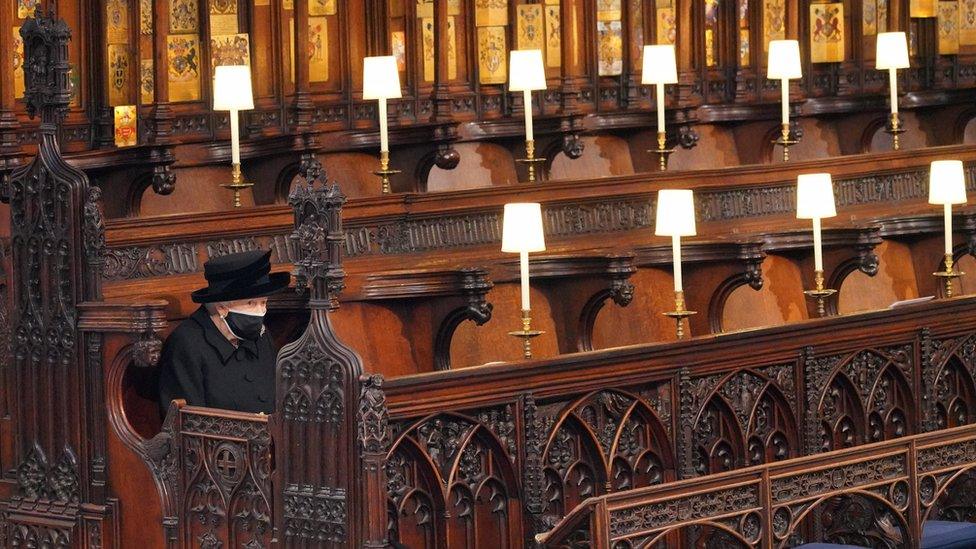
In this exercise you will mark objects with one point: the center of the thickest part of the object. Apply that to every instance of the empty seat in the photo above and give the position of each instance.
(942, 534)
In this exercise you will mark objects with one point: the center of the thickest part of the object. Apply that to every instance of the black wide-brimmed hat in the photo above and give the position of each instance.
(242, 275)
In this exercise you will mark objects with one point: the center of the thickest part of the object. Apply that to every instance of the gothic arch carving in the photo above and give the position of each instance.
(456, 466)
(746, 419)
(855, 518)
(860, 397)
(604, 440)
(940, 503)
(703, 534)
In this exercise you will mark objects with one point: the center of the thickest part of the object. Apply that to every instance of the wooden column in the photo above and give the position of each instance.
(442, 92)
(574, 50)
(302, 104)
(10, 151)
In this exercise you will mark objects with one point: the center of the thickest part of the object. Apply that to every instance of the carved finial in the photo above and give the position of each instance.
(319, 240)
(47, 88)
(374, 429)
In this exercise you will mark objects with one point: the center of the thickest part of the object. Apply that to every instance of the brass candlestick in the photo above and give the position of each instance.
(820, 293)
(947, 275)
(385, 172)
(662, 152)
(679, 314)
(894, 128)
(237, 184)
(526, 333)
(785, 141)
(530, 160)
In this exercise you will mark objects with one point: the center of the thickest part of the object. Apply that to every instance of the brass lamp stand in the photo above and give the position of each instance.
(785, 141)
(679, 314)
(237, 184)
(530, 160)
(820, 293)
(662, 151)
(385, 172)
(526, 334)
(947, 275)
(894, 128)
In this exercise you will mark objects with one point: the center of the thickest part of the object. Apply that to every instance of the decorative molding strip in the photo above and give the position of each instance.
(445, 232)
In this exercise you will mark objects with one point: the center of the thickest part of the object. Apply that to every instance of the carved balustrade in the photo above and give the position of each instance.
(600, 423)
(871, 496)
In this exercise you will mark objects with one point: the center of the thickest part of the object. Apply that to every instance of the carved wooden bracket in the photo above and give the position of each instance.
(751, 256)
(736, 263)
(584, 283)
(860, 241)
(463, 291)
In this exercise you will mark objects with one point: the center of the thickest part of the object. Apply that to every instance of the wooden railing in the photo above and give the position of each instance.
(597, 423)
(878, 495)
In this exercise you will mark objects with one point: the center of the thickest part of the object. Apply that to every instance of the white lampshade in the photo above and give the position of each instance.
(526, 71)
(815, 196)
(381, 79)
(659, 65)
(784, 60)
(892, 51)
(675, 213)
(522, 228)
(947, 182)
(232, 88)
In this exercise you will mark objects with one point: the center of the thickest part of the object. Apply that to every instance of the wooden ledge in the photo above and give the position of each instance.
(418, 284)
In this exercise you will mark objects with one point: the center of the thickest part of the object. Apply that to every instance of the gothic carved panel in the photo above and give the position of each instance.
(741, 419)
(226, 481)
(604, 441)
(948, 372)
(860, 397)
(460, 468)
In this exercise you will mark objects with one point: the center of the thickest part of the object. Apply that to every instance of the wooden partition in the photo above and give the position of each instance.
(496, 454)
(457, 125)
(879, 494)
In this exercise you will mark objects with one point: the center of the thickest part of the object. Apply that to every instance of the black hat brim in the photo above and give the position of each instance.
(276, 282)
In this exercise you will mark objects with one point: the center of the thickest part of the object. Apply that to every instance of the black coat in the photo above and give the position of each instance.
(199, 365)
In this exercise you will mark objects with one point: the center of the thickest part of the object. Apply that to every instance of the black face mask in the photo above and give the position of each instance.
(245, 326)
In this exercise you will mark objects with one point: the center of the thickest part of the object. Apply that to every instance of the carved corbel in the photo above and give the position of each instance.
(620, 290)
(445, 157)
(687, 136)
(474, 286)
(146, 351)
(751, 276)
(163, 178)
(572, 145)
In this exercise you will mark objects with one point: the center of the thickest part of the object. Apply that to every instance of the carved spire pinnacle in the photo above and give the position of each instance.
(319, 239)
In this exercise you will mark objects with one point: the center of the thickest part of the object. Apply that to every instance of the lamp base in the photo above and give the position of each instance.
(820, 293)
(785, 141)
(894, 129)
(530, 160)
(662, 151)
(526, 334)
(237, 184)
(679, 314)
(947, 275)
(385, 172)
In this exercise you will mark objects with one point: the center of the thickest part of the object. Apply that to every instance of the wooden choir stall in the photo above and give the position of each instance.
(817, 390)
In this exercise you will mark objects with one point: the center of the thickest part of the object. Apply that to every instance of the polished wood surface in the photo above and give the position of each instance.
(403, 409)
(880, 493)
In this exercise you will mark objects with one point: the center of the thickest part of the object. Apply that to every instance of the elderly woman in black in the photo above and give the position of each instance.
(222, 356)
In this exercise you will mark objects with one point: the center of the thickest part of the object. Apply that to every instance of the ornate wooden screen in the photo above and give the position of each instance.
(57, 241)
